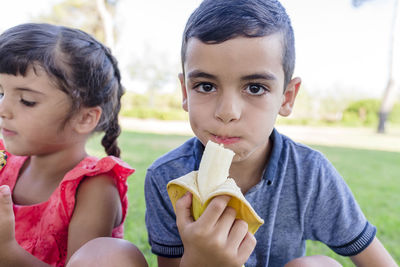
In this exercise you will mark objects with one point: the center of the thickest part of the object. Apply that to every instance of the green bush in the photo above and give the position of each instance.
(153, 105)
(362, 113)
(366, 113)
(394, 116)
(160, 114)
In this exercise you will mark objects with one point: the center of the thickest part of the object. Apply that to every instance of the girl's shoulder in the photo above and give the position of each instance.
(92, 166)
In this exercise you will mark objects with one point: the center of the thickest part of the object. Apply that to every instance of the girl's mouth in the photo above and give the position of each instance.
(5, 132)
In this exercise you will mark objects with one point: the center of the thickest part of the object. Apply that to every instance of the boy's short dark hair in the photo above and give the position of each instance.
(216, 21)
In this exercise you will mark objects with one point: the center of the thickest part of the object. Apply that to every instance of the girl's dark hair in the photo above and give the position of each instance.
(77, 63)
(216, 21)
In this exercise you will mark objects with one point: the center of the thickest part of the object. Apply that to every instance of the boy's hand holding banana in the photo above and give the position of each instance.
(212, 180)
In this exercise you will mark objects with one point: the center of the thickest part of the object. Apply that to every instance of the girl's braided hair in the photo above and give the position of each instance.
(76, 62)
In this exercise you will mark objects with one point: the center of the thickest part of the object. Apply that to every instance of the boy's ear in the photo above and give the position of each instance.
(184, 92)
(86, 120)
(289, 96)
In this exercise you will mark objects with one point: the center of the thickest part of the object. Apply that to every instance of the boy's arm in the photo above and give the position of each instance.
(215, 239)
(374, 255)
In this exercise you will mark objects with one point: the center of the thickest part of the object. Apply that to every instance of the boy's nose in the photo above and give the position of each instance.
(228, 108)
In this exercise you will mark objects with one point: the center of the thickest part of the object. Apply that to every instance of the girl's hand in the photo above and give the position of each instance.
(7, 223)
(11, 253)
(216, 238)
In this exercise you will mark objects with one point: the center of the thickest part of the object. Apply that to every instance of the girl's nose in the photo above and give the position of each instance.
(228, 108)
(5, 111)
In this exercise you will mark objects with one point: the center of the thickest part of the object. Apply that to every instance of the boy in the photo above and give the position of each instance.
(238, 60)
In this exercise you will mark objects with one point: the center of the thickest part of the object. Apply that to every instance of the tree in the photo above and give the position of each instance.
(107, 20)
(154, 69)
(94, 17)
(393, 83)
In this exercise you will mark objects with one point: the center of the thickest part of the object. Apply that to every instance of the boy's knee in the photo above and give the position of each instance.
(108, 252)
(313, 261)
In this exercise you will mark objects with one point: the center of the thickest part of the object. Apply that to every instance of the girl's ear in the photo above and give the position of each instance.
(184, 92)
(289, 96)
(86, 120)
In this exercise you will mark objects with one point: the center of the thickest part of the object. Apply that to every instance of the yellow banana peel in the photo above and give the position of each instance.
(210, 181)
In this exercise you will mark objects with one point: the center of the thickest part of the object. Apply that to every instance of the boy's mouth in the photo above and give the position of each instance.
(226, 140)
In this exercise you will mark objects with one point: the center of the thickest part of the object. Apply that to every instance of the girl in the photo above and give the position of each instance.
(58, 86)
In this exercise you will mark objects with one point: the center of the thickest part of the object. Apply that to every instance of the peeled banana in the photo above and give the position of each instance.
(212, 180)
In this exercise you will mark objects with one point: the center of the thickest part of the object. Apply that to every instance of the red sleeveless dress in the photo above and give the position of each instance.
(42, 229)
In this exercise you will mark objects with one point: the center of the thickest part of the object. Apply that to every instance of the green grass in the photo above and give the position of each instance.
(372, 175)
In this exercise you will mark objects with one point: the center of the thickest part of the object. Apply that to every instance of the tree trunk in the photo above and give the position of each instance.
(107, 21)
(390, 94)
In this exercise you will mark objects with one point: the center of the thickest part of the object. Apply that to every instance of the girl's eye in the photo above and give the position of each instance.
(27, 103)
(256, 89)
(205, 88)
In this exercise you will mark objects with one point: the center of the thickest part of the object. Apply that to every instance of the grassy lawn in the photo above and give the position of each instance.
(373, 177)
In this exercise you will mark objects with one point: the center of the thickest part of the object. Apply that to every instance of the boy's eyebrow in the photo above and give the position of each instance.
(201, 74)
(259, 76)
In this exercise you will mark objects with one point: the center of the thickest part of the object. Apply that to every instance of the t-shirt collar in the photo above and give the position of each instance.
(272, 164)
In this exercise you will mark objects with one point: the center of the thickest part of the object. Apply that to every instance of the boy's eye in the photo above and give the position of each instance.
(205, 87)
(256, 89)
(27, 103)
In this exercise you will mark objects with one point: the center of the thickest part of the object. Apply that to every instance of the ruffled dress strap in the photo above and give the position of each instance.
(91, 166)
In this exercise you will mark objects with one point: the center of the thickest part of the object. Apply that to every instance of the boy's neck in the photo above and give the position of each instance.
(248, 173)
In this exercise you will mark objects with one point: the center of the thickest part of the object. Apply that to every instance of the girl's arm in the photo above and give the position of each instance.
(97, 212)
(374, 255)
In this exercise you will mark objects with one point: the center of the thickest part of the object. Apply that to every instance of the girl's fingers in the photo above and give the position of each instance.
(5, 195)
(6, 215)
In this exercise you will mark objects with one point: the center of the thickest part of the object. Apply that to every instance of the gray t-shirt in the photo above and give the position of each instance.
(300, 197)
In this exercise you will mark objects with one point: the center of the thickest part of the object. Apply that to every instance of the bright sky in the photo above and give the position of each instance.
(340, 49)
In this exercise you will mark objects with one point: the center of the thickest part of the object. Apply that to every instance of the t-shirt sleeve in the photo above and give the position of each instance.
(334, 217)
(161, 226)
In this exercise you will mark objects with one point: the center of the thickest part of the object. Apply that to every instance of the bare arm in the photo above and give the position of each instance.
(374, 255)
(97, 211)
